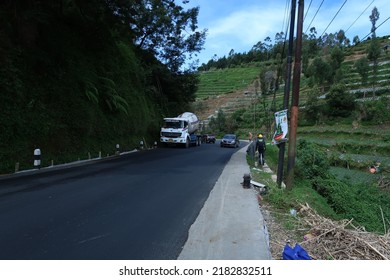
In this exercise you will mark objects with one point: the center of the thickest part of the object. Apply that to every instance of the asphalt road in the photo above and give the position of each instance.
(137, 206)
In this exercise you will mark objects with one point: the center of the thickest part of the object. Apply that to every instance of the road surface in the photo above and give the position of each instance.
(137, 206)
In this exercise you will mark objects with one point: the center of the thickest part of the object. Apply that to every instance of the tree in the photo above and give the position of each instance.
(162, 28)
(268, 46)
(341, 38)
(320, 71)
(99, 61)
(362, 67)
(218, 123)
(356, 40)
(340, 102)
(263, 83)
(313, 106)
(374, 18)
(260, 50)
(374, 50)
(337, 57)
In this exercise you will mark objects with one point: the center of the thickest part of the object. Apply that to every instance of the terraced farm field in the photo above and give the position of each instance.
(225, 81)
(349, 147)
(351, 150)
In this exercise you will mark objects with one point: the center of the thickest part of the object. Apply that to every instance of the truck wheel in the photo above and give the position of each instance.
(187, 144)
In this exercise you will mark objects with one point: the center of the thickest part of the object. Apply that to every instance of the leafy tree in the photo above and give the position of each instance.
(341, 38)
(321, 71)
(337, 57)
(340, 102)
(356, 40)
(268, 43)
(163, 28)
(79, 76)
(259, 50)
(375, 111)
(219, 123)
(374, 50)
(312, 161)
(362, 67)
(263, 83)
(313, 106)
(374, 18)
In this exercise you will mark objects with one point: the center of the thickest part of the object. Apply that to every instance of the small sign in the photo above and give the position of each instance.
(281, 127)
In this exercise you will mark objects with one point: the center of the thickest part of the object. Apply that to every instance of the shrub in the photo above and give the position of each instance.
(362, 203)
(375, 111)
(312, 161)
(340, 102)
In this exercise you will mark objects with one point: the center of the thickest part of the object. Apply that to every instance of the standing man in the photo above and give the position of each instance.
(261, 147)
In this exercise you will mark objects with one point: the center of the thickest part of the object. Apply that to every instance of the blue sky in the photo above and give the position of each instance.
(240, 24)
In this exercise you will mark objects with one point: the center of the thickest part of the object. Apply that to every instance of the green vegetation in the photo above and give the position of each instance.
(343, 130)
(222, 81)
(330, 192)
(79, 77)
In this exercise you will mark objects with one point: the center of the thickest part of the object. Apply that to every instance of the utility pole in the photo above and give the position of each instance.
(295, 99)
(282, 146)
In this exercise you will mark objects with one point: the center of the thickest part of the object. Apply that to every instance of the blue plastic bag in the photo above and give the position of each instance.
(296, 253)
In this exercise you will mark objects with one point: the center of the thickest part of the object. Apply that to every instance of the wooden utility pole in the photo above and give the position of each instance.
(282, 146)
(295, 99)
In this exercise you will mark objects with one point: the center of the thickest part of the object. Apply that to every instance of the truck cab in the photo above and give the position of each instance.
(180, 130)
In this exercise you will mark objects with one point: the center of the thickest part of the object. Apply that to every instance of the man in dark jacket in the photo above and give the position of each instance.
(261, 147)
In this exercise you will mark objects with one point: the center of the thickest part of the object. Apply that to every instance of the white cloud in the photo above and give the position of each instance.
(240, 24)
(241, 30)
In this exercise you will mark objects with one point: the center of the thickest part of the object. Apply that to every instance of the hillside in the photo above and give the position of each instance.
(75, 82)
(352, 144)
(233, 90)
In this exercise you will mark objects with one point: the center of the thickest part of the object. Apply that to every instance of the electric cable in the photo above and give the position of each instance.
(375, 28)
(307, 10)
(334, 17)
(285, 18)
(359, 16)
(314, 15)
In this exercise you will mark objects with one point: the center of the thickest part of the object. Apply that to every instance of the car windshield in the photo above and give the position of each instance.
(173, 124)
(229, 136)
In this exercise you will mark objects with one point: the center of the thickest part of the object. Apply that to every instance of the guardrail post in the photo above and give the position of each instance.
(37, 158)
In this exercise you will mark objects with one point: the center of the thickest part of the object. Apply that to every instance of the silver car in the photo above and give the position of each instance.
(230, 140)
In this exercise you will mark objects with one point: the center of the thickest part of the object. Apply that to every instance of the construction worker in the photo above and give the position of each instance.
(261, 147)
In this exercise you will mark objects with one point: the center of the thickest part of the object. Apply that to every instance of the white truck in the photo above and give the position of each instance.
(181, 130)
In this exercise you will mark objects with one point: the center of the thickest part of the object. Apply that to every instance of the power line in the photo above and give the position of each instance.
(375, 28)
(307, 10)
(359, 15)
(334, 17)
(286, 17)
(314, 15)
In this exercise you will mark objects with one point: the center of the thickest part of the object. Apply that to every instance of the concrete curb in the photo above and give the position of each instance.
(230, 225)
